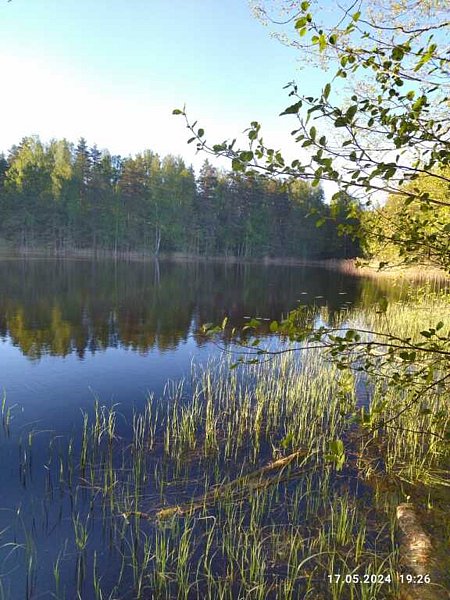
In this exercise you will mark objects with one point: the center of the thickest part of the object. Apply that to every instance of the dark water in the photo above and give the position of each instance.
(74, 331)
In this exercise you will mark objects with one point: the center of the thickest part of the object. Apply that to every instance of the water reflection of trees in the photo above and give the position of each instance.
(64, 307)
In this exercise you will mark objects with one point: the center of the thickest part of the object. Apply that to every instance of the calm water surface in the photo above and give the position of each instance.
(72, 331)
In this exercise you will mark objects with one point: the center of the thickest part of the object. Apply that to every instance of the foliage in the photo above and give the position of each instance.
(391, 137)
(416, 233)
(61, 197)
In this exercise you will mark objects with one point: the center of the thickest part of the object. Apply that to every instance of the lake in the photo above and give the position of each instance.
(74, 332)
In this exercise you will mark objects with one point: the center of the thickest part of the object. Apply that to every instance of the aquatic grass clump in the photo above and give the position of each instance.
(223, 490)
(412, 437)
(413, 444)
(225, 487)
(253, 482)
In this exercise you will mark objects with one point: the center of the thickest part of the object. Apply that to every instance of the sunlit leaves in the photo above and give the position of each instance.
(336, 453)
(393, 143)
(397, 53)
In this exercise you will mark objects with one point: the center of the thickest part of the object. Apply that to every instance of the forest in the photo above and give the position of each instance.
(269, 424)
(60, 197)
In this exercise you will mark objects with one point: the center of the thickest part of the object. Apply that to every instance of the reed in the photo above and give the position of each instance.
(227, 487)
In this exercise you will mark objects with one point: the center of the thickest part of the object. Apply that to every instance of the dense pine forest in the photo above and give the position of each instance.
(62, 197)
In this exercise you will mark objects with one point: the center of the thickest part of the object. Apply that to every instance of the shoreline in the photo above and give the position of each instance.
(348, 266)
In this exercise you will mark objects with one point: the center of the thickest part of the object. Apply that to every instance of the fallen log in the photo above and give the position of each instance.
(416, 557)
(252, 481)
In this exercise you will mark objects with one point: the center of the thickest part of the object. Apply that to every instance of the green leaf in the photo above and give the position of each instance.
(397, 53)
(246, 156)
(337, 447)
(237, 165)
(336, 453)
(340, 122)
(253, 323)
(322, 40)
(287, 440)
(351, 112)
(177, 111)
(274, 327)
(293, 109)
(326, 90)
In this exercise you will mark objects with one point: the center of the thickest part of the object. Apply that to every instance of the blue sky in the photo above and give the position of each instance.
(113, 70)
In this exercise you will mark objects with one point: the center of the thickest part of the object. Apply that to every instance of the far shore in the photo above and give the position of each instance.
(350, 266)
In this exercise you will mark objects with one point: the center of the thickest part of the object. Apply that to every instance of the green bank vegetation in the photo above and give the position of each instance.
(59, 198)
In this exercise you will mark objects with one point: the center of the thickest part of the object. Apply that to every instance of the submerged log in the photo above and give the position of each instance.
(252, 481)
(245, 484)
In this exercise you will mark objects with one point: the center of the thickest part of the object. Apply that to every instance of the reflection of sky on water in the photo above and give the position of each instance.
(48, 397)
(56, 388)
